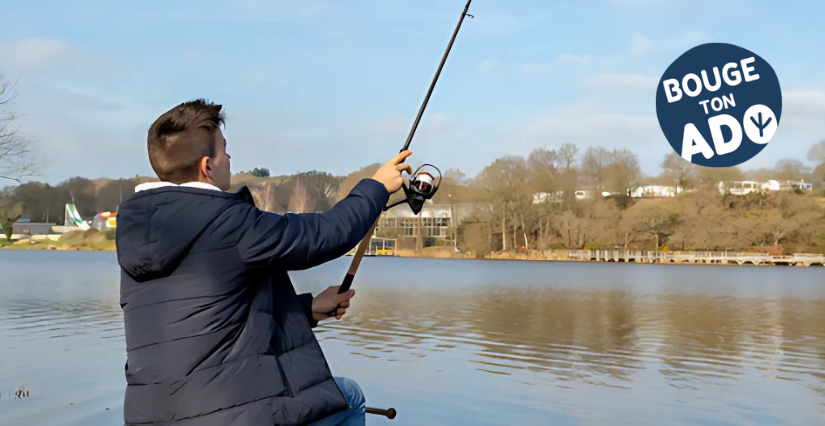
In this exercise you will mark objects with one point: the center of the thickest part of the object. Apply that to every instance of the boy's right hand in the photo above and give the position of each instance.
(390, 173)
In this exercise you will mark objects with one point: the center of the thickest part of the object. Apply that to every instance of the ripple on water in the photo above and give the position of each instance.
(522, 354)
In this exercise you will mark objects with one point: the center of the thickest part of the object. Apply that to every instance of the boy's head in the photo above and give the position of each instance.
(186, 144)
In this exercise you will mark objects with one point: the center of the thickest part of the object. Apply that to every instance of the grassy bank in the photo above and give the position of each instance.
(91, 240)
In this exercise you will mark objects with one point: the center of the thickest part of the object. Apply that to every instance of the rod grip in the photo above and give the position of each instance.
(346, 284)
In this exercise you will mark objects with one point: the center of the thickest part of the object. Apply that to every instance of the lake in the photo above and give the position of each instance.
(470, 342)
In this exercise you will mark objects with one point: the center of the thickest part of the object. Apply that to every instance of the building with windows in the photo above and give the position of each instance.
(438, 221)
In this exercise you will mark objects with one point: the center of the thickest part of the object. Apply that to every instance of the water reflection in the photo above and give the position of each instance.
(567, 343)
(566, 338)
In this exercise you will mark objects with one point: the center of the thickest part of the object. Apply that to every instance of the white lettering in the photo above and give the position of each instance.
(728, 101)
(718, 80)
(690, 135)
(704, 104)
(747, 70)
(713, 104)
(730, 74)
(692, 77)
(716, 124)
(672, 86)
(727, 75)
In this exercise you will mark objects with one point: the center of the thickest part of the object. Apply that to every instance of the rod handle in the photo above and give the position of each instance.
(347, 283)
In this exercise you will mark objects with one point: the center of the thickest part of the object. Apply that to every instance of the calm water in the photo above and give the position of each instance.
(470, 342)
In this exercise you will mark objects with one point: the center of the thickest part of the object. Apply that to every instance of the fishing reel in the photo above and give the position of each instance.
(423, 186)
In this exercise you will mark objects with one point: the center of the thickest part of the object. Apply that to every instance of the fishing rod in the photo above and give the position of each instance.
(423, 187)
(422, 184)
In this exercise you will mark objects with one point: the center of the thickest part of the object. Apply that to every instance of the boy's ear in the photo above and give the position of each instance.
(206, 168)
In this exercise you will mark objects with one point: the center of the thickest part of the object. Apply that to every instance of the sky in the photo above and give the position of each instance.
(335, 85)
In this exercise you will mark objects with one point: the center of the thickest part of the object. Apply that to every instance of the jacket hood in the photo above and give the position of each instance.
(157, 227)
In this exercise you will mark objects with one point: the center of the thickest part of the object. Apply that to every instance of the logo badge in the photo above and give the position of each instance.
(718, 104)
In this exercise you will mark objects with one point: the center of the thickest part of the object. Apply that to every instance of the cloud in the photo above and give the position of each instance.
(803, 110)
(279, 6)
(621, 82)
(562, 61)
(500, 24)
(585, 123)
(288, 142)
(642, 45)
(647, 3)
(36, 54)
(197, 57)
(433, 129)
(487, 66)
(84, 102)
(277, 11)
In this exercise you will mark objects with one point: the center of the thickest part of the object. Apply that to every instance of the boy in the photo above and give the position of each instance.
(215, 333)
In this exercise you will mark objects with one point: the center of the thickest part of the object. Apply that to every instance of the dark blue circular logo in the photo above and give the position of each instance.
(719, 104)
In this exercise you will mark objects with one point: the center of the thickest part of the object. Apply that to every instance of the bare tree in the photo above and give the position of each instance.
(594, 166)
(542, 167)
(706, 224)
(622, 173)
(567, 155)
(505, 178)
(16, 160)
(710, 176)
(763, 174)
(677, 170)
(649, 219)
(816, 153)
(819, 174)
(455, 175)
(10, 211)
(568, 175)
(792, 169)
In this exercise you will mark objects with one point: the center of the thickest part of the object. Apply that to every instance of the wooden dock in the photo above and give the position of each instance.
(706, 257)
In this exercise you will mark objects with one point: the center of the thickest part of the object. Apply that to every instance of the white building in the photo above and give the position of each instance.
(437, 220)
(657, 191)
(749, 186)
(739, 187)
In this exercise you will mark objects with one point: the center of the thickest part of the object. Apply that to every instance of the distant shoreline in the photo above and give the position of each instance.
(98, 244)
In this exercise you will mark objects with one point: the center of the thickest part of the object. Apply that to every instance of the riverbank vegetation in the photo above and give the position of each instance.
(699, 218)
(505, 217)
(89, 240)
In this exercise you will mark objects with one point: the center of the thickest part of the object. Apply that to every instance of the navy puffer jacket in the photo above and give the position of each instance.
(215, 332)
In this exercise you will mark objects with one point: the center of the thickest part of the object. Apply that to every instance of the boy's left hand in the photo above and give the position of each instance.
(329, 299)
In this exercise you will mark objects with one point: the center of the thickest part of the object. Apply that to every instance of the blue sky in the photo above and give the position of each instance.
(335, 85)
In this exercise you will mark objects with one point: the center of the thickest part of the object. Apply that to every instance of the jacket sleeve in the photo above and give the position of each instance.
(297, 241)
(306, 305)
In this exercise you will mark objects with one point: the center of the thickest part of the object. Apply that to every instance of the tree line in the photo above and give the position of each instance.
(507, 218)
(700, 218)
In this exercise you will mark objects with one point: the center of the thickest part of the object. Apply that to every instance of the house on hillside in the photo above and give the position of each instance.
(739, 187)
(803, 186)
(558, 196)
(655, 191)
(548, 197)
(749, 186)
(788, 185)
(435, 220)
(586, 194)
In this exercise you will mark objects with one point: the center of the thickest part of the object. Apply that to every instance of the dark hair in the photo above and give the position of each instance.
(181, 137)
